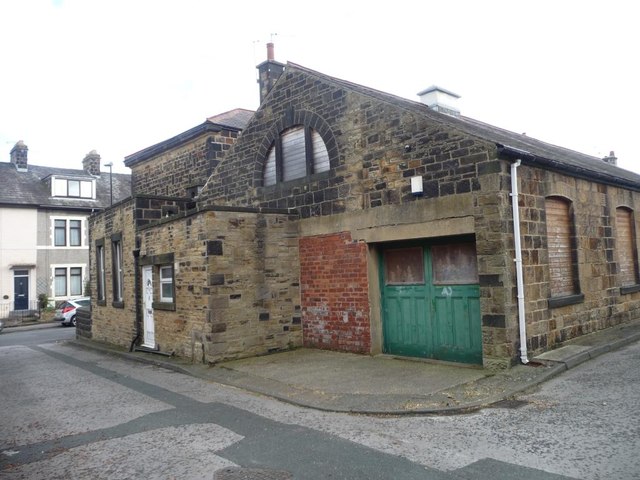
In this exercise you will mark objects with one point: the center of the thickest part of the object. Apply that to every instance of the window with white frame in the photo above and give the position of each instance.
(117, 270)
(166, 283)
(100, 271)
(67, 281)
(73, 188)
(67, 232)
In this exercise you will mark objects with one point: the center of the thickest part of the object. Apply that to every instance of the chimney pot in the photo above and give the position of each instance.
(270, 54)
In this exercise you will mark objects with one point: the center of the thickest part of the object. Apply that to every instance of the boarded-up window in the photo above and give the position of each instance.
(294, 157)
(303, 153)
(404, 266)
(626, 246)
(560, 244)
(454, 264)
(270, 168)
(320, 154)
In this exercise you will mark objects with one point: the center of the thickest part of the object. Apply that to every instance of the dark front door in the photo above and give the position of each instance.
(431, 302)
(21, 289)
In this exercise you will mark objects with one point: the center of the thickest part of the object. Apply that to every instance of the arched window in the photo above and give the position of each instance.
(298, 151)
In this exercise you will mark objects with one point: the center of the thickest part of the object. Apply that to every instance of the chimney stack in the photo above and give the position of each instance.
(19, 156)
(270, 56)
(269, 72)
(440, 100)
(91, 163)
(611, 159)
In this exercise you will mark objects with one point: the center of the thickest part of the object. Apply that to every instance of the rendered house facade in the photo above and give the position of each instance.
(349, 219)
(44, 233)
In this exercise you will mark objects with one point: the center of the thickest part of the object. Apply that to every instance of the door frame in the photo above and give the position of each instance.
(148, 323)
(24, 280)
(434, 293)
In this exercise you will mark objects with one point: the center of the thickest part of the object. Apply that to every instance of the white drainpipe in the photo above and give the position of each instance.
(518, 260)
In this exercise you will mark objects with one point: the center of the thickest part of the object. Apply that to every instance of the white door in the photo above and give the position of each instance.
(148, 338)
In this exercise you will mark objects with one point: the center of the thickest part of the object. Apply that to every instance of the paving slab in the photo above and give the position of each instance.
(562, 354)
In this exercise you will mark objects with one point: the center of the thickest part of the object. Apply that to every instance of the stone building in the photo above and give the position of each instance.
(345, 218)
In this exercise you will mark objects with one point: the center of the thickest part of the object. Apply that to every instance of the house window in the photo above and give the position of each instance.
(117, 272)
(75, 274)
(100, 271)
(75, 229)
(297, 152)
(67, 281)
(561, 246)
(166, 284)
(60, 233)
(60, 282)
(63, 187)
(627, 254)
(67, 232)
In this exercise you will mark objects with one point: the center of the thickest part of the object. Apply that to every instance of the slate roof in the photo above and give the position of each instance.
(510, 145)
(28, 189)
(236, 119)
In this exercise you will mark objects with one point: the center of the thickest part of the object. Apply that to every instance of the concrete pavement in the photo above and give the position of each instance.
(342, 382)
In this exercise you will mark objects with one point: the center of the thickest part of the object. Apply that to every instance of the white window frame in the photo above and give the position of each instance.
(68, 267)
(166, 280)
(101, 273)
(117, 270)
(67, 242)
(86, 187)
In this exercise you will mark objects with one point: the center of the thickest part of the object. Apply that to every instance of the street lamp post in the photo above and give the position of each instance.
(110, 165)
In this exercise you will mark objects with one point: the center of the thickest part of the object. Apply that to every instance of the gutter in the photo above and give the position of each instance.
(175, 141)
(512, 153)
(518, 251)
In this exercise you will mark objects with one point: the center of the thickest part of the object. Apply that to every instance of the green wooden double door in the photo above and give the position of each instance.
(431, 301)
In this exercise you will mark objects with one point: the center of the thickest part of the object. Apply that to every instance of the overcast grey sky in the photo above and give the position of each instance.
(118, 76)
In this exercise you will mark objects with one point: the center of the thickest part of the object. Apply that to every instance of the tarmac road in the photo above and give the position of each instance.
(75, 413)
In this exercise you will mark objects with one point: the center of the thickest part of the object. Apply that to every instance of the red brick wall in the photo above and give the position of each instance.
(334, 291)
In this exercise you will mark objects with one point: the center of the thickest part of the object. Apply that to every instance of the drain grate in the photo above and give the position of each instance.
(239, 473)
(509, 403)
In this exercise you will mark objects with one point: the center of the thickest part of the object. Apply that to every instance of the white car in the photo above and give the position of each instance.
(66, 311)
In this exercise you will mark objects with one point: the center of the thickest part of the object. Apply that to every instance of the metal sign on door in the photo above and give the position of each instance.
(148, 339)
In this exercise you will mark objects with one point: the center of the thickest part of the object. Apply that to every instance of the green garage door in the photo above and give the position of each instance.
(431, 302)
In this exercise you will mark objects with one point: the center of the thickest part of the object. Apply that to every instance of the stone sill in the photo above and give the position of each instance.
(558, 302)
(629, 289)
(164, 306)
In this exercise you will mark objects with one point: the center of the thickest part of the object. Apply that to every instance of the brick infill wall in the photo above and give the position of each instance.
(334, 292)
